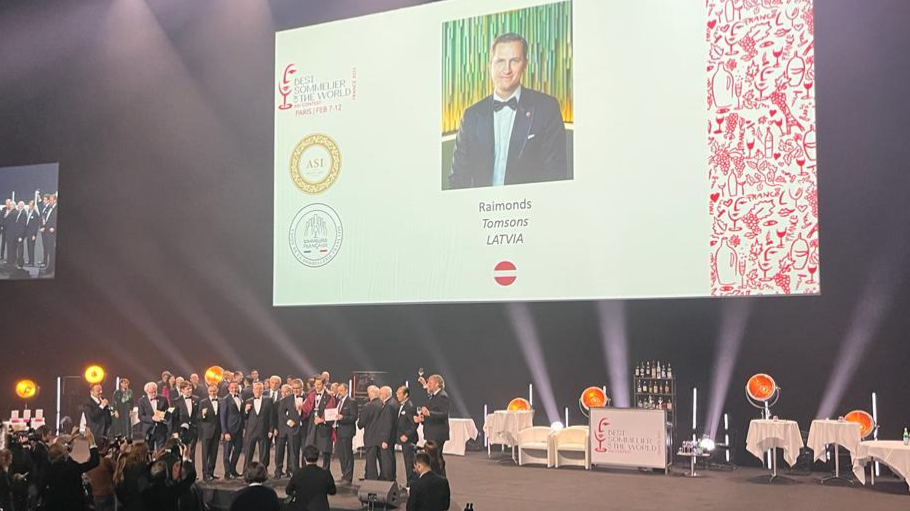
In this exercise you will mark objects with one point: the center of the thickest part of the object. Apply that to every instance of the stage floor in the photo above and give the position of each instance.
(499, 485)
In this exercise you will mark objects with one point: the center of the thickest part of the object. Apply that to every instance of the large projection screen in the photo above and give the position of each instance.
(655, 149)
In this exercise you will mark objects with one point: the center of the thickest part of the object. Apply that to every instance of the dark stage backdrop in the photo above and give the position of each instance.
(160, 114)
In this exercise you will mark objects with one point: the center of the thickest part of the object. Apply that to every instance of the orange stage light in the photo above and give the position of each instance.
(519, 404)
(865, 421)
(761, 387)
(592, 397)
(214, 375)
(26, 389)
(94, 374)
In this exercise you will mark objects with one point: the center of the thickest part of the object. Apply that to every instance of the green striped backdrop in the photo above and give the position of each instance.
(466, 56)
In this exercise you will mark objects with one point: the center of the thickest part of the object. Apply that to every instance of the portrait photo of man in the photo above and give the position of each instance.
(515, 133)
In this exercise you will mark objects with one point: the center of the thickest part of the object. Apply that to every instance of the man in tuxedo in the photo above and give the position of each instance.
(406, 431)
(515, 135)
(435, 415)
(185, 419)
(209, 432)
(15, 231)
(388, 415)
(32, 224)
(345, 430)
(231, 430)
(288, 423)
(154, 429)
(272, 392)
(226, 379)
(429, 492)
(257, 412)
(49, 234)
(97, 412)
(375, 431)
(320, 431)
(4, 216)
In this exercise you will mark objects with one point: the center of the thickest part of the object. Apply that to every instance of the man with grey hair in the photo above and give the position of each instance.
(387, 449)
(375, 431)
(516, 134)
(15, 234)
(435, 415)
(153, 416)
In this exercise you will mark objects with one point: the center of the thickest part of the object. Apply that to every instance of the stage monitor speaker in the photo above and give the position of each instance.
(383, 493)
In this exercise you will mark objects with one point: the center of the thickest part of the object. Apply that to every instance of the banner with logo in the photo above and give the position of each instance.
(628, 437)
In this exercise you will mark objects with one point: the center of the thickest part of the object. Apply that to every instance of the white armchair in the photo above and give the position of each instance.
(534, 446)
(570, 447)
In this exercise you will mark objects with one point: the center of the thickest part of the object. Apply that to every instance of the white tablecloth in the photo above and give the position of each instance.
(768, 434)
(502, 426)
(824, 432)
(890, 452)
(460, 431)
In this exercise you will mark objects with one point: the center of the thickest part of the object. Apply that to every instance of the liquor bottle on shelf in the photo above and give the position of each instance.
(659, 371)
(663, 371)
(637, 371)
(654, 370)
(669, 404)
(647, 370)
(906, 437)
(650, 402)
(654, 388)
(660, 403)
(638, 387)
(669, 371)
(666, 387)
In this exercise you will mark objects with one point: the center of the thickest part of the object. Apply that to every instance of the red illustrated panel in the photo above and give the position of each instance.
(762, 166)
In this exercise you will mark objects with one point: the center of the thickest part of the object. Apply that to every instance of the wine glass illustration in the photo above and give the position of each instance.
(777, 52)
(801, 161)
(720, 122)
(812, 269)
(780, 235)
(765, 266)
(807, 84)
(284, 87)
(750, 144)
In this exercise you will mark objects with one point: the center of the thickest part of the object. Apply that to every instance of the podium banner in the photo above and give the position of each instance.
(628, 437)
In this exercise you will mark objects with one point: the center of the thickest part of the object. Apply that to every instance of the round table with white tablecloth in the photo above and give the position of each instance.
(502, 426)
(892, 453)
(460, 431)
(839, 433)
(767, 434)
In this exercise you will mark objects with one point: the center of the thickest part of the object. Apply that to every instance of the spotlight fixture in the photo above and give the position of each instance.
(214, 375)
(26, 389)
(556, 426)
(519, 404)
(762, 392)
(866, 423)
(706, 443)
(94, 374)
(592, 397)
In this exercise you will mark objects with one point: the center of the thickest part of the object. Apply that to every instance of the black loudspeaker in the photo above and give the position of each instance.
(384, 493)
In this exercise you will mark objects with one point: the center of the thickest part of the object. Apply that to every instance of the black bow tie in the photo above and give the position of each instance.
(499, 105)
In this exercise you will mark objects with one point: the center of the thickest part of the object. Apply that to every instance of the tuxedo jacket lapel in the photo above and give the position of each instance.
(486, 135)
(520, 129)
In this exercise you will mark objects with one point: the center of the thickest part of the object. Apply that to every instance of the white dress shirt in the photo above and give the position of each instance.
(503, 120)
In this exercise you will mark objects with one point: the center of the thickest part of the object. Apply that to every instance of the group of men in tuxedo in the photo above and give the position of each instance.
(20, 226)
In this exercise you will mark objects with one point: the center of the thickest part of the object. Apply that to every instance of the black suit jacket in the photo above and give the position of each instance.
(258, 426)
(49, 217)
(287, 410)
(390, 415)
(97, 419)
(32, 223)
(346, 427)
(436, 426)
(311, 487)
(255, 498)
(209, 421)
(404, 423)
(15, 225)
(183, 416)
(231, 416)
(537, 148)
(429, 492)
(375, 430)
(146, 415)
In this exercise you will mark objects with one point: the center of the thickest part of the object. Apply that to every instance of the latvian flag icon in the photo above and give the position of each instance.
(504, 273)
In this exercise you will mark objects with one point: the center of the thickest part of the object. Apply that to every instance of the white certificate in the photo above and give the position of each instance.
(331, 414)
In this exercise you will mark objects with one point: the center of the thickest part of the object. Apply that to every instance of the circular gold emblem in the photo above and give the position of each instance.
(315, 163)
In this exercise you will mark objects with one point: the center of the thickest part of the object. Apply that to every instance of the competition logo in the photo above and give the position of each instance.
(315, 235)
(285, 87)
(315, 163)
(599, 434)
(505, 273)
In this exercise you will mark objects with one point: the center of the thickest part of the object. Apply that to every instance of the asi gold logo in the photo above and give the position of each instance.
(315, 163)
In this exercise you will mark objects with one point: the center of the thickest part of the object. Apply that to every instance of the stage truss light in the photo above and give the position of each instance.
(519, 404)
(214, 375)
(94, 374)
(26, 389)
